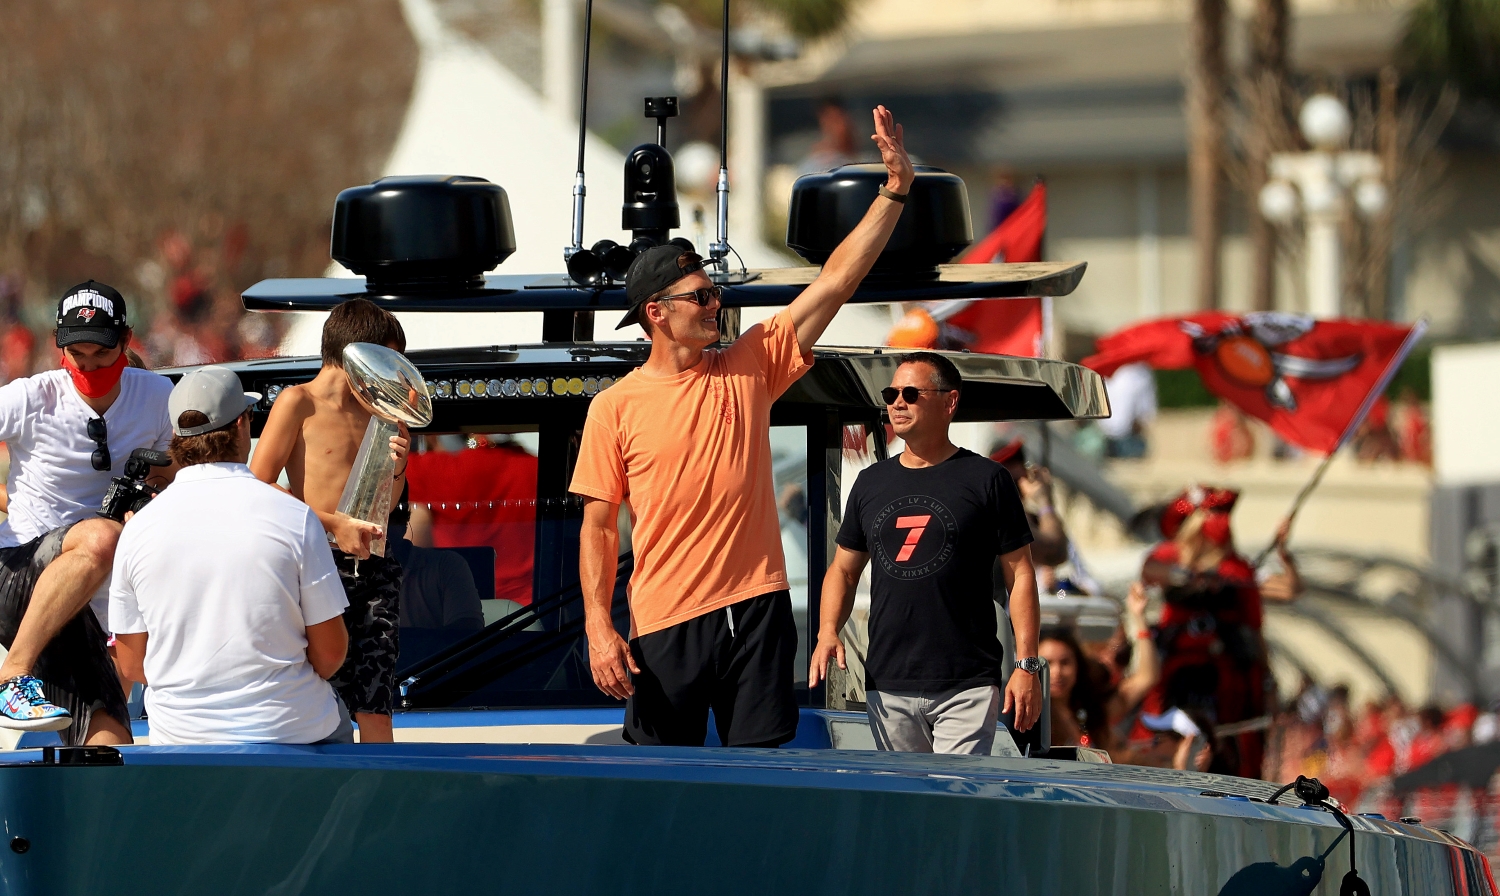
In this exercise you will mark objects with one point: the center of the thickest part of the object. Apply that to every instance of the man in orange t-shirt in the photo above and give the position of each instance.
(686, 440)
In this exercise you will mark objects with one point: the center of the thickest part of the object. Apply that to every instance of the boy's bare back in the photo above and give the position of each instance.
(314, 432)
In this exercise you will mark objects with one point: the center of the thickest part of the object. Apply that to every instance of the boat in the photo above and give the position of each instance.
(509, 774)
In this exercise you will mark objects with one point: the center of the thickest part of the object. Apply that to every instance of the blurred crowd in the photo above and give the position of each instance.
(189, 312)
(1178, 678)
(1360, 752)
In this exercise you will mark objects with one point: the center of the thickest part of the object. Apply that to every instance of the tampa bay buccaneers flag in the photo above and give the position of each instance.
(1312, 380)
(993, 326)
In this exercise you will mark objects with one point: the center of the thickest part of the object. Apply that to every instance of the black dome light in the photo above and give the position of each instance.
(650, 192)
(428, 230)
(934, 226)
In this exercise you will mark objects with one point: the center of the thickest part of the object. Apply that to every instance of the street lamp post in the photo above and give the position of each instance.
(1320, 184)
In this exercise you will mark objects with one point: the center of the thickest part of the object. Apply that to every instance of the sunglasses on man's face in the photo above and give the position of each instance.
(99, 432)
(702, 296)
(909, 394)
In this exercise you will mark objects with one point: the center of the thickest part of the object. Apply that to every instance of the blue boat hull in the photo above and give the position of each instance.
(453, 818)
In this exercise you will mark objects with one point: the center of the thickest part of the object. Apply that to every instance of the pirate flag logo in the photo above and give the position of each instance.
(1244, 350)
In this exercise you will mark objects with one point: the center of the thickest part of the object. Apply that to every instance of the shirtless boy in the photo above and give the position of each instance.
(314, 433)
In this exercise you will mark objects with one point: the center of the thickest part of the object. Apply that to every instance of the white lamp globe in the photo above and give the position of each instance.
(697, 166)
(1278, 202)
(1371, 196)
(1325, 122)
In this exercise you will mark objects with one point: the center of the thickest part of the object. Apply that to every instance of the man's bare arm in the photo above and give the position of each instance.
(327, 645)
(279, 438)
(839, 585)
(1025, 608)
(598, 558)
(130, 654)
(1024, 691)
(277, 442)
(851, 261)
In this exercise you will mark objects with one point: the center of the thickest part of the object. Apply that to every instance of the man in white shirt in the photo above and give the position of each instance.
(225, 599)
(69, 431)
(1132, 402)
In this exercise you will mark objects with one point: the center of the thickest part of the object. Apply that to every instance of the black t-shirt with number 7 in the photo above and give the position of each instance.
(932, 534)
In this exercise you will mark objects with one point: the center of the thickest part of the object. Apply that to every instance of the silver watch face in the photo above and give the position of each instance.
(1031, 665)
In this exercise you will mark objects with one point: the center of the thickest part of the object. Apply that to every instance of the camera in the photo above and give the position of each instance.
(129, 493)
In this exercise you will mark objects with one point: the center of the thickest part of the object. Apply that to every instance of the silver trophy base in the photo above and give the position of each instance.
(367, 494)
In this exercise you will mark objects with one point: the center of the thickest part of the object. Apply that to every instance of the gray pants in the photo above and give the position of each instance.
(957, 721)
(344, 733)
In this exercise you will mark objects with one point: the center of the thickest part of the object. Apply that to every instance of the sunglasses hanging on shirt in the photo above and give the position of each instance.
(99, 432)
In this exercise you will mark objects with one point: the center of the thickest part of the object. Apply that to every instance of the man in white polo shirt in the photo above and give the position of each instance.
(225, 599)
(68, 432)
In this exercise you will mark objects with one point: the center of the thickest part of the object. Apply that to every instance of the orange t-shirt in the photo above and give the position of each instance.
(692, 454)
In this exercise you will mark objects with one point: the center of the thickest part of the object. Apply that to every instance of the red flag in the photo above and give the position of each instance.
(1018, 237)
(1312, 380)
(1002, 327)
(994, 326)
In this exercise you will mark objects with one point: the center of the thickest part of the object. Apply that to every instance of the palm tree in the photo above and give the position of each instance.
(1266, 92)
(1456, 42)
(1208, 82)
(809, 19)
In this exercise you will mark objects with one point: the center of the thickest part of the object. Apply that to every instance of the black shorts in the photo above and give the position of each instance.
(366, 682)
(744, 672)
(76, 669)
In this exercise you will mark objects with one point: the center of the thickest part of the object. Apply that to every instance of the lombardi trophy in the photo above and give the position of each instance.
(393, 391)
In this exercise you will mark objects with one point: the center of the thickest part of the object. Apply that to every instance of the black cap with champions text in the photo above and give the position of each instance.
(653, 271)
(91, 312)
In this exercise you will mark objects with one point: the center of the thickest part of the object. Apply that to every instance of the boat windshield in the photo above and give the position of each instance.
(491, 612)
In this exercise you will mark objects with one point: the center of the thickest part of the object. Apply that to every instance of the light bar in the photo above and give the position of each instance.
(510, 387)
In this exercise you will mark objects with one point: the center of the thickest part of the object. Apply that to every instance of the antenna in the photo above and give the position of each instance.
(579, 190)
(718, 250)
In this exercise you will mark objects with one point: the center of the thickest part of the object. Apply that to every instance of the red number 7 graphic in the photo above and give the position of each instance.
(917, 525)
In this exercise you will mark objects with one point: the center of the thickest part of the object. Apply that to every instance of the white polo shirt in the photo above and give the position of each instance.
(44, 424)
(225, 574)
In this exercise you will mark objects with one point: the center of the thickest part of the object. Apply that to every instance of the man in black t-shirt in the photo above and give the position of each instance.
(934, 518)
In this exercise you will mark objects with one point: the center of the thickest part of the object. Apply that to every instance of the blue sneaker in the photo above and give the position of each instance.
(24, 708)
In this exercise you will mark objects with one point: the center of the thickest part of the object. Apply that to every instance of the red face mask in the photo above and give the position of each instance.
(95, 383)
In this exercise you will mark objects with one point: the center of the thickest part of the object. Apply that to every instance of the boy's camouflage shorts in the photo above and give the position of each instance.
(367, 680)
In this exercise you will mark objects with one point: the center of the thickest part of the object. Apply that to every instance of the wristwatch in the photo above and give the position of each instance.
(1031, 665)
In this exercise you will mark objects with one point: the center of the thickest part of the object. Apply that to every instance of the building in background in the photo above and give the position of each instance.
(1091, 97)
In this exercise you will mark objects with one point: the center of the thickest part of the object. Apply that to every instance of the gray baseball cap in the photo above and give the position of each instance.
(212, 391)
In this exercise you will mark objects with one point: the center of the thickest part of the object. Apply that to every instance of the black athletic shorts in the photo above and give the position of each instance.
(739, 660)
(76, 669)
(366, 682)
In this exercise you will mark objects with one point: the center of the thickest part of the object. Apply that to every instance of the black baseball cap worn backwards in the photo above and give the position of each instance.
(91, 312)
(653, 271)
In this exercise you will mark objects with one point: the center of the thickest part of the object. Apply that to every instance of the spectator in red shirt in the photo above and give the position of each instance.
(17, 342)
(1416, 435)
(482, 495)
(1429, 742)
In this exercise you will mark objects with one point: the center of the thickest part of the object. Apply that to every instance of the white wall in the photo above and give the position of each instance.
(1465, 422)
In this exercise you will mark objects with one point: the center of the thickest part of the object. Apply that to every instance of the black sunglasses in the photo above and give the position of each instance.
(910, 393)
(99, 432)
(702, 296)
